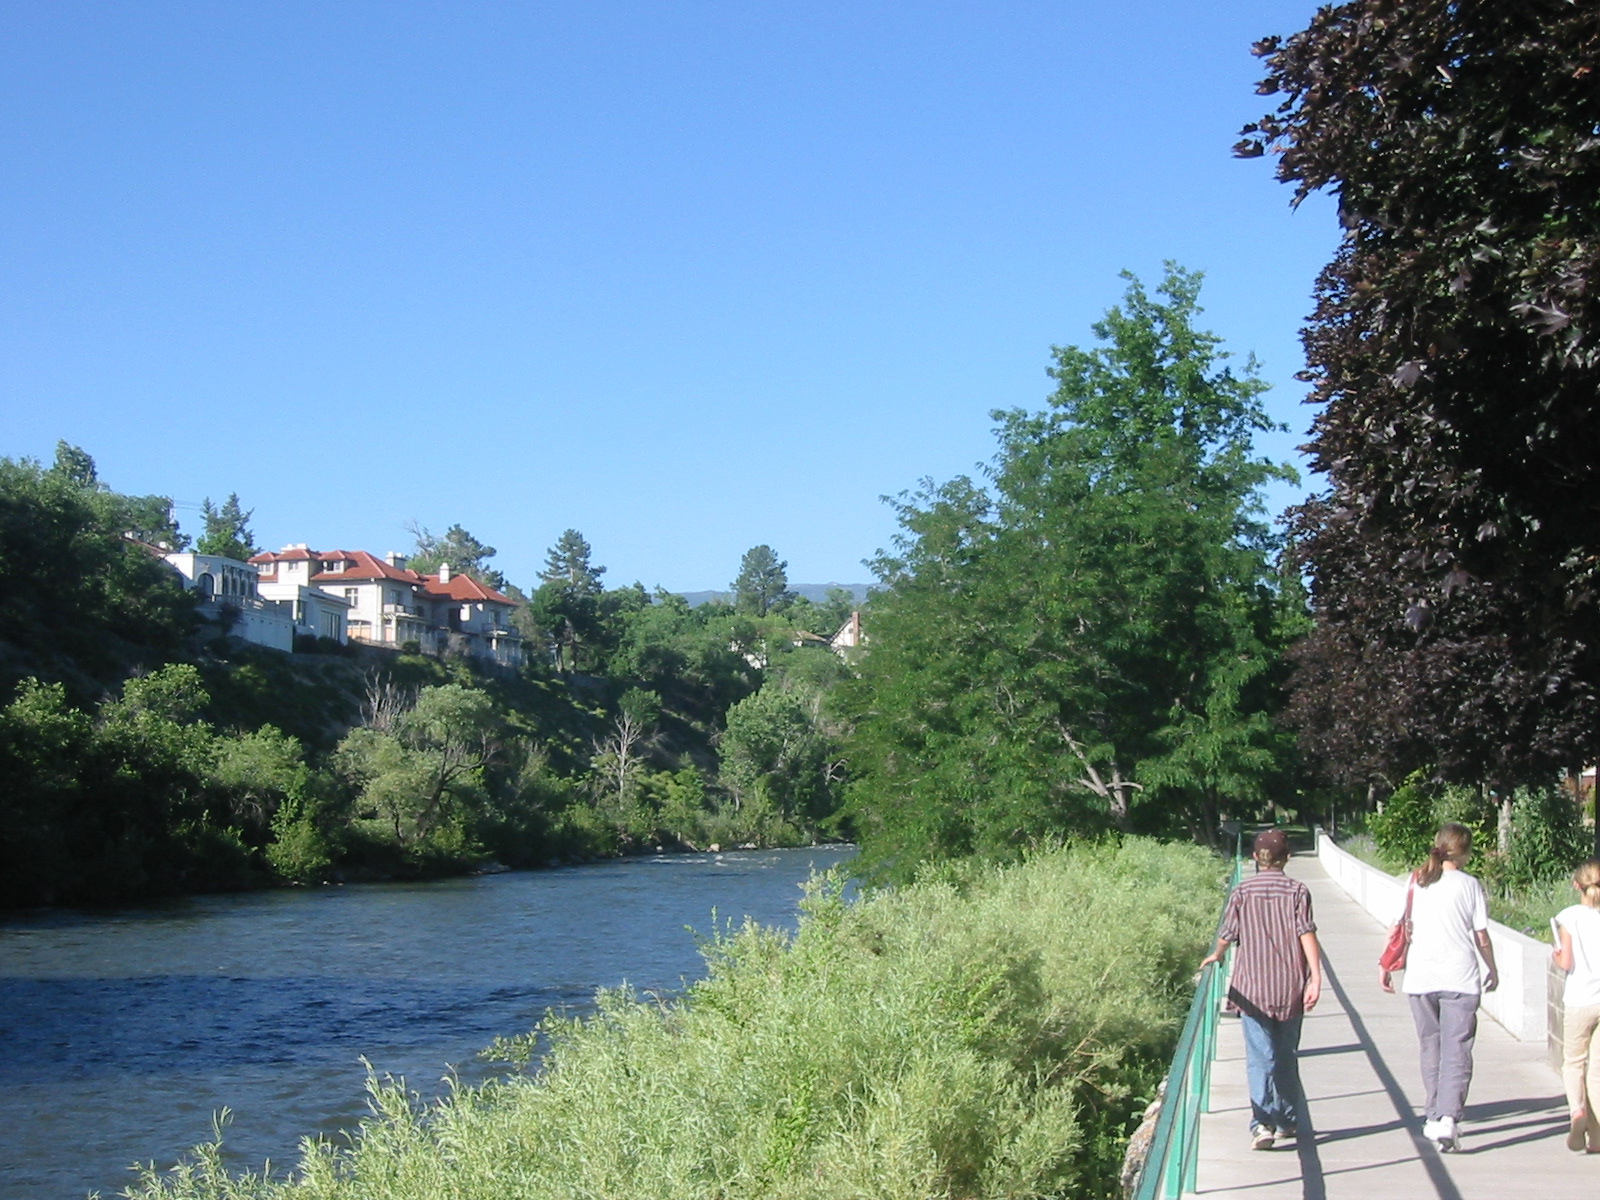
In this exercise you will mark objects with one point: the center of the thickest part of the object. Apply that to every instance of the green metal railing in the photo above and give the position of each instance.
(1170, 1165)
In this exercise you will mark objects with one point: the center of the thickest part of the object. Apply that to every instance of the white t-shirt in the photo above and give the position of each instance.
(1583, 981)
(1444, 916)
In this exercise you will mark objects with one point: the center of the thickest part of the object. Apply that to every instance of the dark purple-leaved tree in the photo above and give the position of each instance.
(1455, 353)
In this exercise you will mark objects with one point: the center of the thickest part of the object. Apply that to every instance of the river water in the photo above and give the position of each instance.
(121, 1034)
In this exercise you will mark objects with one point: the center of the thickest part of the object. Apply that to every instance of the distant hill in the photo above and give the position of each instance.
(811, 591)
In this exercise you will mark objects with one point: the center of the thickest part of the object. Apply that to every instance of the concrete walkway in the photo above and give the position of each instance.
(1359, 1066)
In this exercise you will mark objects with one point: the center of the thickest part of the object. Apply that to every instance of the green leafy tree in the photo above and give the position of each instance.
(79, 601)
(684, 806)
(44, 810)
(686, 656)
(145, 518)
(258, 773)
(569, 621)
(780, 749)
(1048, 658)
(142, 798)
(463, 553)
(227, 530)
(420, 769)
(1455, 553)
(763, 582)
(74, 463)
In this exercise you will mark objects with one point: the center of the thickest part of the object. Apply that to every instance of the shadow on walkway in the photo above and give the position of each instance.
(1363, 1134)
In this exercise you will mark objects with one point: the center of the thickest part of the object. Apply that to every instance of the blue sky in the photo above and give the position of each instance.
(685, 276)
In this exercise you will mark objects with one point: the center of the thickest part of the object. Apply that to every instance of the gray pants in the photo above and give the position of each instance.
(1447, 1025)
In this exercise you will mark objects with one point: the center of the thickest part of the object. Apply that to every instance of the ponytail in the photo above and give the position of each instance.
(1587, 877)
(1453, 843)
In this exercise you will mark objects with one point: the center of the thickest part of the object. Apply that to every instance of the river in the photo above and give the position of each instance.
(122, 1033)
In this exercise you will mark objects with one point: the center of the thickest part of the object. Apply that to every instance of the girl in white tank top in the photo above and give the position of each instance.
(1576, 930)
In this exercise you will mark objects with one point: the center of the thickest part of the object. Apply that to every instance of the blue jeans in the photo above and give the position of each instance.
(1272, 1064)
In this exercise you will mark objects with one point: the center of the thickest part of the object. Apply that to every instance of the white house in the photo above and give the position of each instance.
(390, 604)
(225, 585)
(850, 636)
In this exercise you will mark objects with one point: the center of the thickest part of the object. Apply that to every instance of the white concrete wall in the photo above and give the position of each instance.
(1521, 1002)
(265, 625)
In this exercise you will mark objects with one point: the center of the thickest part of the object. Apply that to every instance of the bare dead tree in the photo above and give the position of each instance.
(386, 702)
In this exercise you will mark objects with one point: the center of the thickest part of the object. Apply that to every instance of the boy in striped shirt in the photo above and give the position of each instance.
(1277, 979)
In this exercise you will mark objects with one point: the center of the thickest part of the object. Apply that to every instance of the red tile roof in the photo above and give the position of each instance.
(364, 567)
(464, 588)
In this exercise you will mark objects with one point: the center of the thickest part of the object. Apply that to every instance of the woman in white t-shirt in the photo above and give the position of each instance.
(1449, 934)
(1577, 952)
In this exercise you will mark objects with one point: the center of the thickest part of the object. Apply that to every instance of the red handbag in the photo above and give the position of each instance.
(1393, 957)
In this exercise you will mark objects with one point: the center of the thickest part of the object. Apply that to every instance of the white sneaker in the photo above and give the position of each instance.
(1430, 1129)
(1261, 1137)
(1446, 1134)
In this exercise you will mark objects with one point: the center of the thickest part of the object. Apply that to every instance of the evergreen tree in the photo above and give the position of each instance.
(227, 530)
(568, 564)
(763, 582)
(567, 604)
(463, 553)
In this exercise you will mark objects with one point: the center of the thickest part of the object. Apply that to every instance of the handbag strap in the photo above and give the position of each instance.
(1411, 890)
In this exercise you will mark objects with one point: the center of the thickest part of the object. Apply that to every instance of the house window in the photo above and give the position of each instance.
(334, 567)
(350, 595)
(394, 595)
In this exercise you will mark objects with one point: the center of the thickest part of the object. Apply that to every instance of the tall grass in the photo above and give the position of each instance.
(984, 1032)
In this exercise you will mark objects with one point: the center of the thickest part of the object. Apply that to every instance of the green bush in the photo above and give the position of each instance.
(300, 852)
(1547, 838)
(1405, 828)
(1411, 817)
(984, 1032)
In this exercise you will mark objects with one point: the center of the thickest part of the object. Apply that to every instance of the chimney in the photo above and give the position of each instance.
(444, 572)
(396, 560)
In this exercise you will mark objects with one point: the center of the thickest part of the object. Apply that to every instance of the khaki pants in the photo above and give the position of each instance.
(1580, 1067)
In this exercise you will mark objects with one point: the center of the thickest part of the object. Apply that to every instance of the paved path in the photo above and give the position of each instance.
(1359, 1067)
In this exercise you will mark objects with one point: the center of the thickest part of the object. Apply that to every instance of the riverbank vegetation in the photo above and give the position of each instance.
(982, 1032)
(146, 752)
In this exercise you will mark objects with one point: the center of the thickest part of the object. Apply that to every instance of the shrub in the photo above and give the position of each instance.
(1547, 838)
(301, 851)
(1404, 830)
(1411, 817)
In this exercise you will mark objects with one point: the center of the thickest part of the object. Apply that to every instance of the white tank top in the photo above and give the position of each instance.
(1583, 981)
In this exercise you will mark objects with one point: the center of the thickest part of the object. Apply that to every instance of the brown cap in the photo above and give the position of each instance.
(1271, 840)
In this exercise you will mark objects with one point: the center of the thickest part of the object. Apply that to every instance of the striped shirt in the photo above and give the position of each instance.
(1265, 915)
